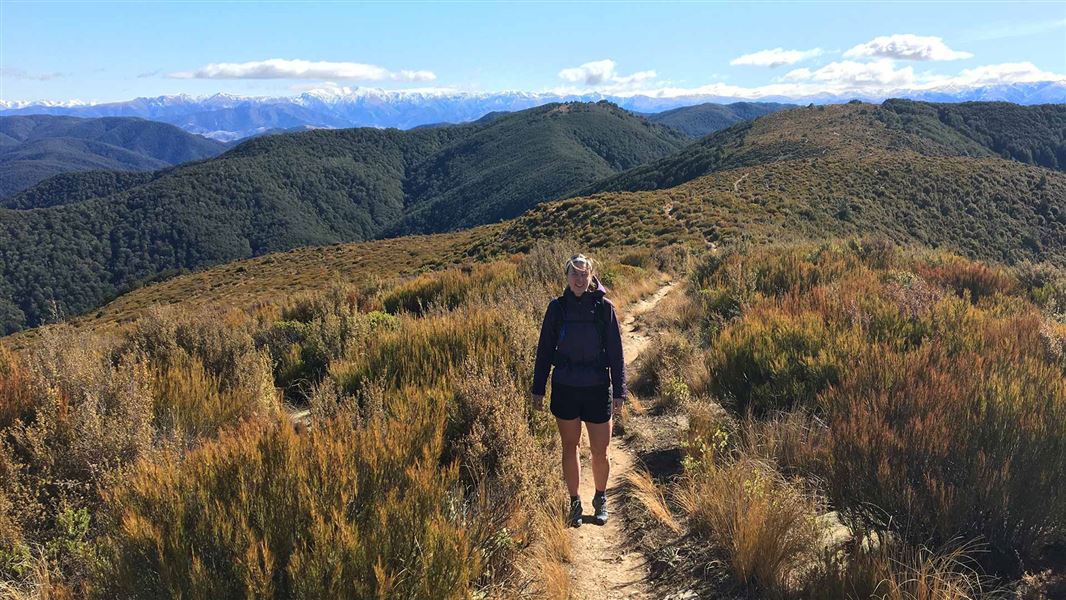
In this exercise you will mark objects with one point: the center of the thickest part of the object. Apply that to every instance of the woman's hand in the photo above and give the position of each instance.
(538, 401)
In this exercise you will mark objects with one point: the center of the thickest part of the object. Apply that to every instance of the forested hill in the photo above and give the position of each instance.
(704, 119)
(310, 188)
(36, 147)
(518, 160)
(1030, 134)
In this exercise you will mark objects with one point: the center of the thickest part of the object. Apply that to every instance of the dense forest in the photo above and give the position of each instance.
(703, 119)
(36, 147)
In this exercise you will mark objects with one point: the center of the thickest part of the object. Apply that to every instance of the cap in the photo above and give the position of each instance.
(579, 262)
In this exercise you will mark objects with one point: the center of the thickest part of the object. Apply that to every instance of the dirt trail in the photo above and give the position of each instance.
(605, 563)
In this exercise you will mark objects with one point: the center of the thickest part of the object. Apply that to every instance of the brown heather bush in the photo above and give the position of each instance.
(16, 392)
(939, 445)
(192, 403)
(970, 279)
(501, 463)
(772, 361)
(340, 511)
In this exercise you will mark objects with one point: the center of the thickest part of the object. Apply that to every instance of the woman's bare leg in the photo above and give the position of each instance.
(570, 434)
(599, 440)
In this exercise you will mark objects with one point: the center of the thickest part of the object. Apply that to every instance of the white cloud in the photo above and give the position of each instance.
(880, 78)
(775, 57)
(277, 68)
(590, 73)
(906, 46)
(851, 74)
(601, 73)
(1021, 72)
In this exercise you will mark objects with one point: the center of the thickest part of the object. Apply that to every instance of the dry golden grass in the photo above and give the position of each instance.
(894, 572)
(761, 525)
(644, 490)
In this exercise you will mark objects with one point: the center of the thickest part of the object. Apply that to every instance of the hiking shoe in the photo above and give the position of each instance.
(574, 519)
(599, 504)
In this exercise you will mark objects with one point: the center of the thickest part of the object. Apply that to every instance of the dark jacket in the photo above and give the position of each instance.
(570, 339)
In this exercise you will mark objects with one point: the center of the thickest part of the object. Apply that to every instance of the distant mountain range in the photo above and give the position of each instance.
(227, 117)
(36, 147)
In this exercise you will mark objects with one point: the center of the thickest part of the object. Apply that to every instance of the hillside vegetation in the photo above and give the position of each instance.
(865, 421)
(986, 208)
(1029, 134)
(159, 463)
(311, 188)
(36, 147)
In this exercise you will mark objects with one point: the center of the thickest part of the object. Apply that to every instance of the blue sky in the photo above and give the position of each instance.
(107, 51)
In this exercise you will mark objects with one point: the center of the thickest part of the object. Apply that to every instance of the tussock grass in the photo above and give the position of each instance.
(891, 571)
(644, 490)
(761, 525)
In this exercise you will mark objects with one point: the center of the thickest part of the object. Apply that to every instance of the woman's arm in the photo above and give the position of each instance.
(615, 360)
(549, 338)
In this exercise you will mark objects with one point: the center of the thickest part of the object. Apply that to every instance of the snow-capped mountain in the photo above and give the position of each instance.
(228, 117)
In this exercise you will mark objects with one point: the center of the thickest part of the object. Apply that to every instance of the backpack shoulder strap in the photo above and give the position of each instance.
(601, 321)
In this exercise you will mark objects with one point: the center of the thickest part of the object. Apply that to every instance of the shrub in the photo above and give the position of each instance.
(192, 403)
(430, 350)
(338, 512)
(90, 417)
(669, 357)
(16, 392)
(939, 445)
(500, 463)
(969, 279)
(774, 361)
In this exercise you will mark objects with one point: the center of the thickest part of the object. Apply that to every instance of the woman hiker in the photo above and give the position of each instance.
(581, 338)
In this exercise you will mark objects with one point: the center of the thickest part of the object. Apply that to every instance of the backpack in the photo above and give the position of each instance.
(599, 317)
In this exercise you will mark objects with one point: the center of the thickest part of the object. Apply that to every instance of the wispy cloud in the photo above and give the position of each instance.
(1013, 30)
(148, 74)
(906, 46)
(277, 68)
(775, 57)
(17, 73)
(602, 73)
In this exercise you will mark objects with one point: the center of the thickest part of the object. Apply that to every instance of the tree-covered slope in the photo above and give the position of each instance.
(517, 160)
(703, 119)
(855, 130)
(36, 147)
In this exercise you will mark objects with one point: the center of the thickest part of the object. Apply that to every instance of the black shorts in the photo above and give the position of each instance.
(592, 404)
